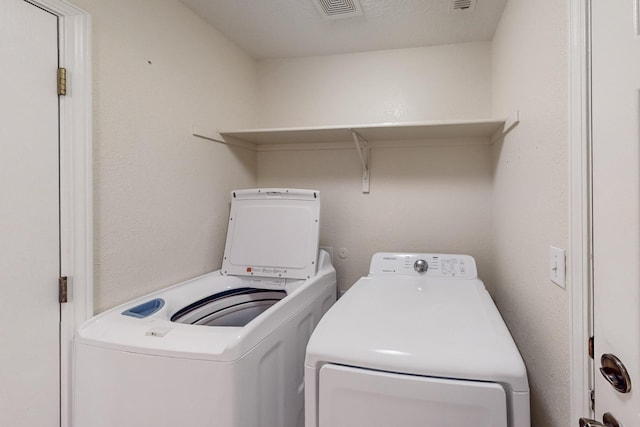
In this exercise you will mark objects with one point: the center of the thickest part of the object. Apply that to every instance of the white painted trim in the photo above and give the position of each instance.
(580, 211)
(76, 183)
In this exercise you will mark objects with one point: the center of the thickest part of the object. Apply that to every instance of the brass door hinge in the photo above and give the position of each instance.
(63, 290)
(62, 81)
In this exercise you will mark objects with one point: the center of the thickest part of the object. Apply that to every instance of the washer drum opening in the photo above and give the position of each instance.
(235, 307)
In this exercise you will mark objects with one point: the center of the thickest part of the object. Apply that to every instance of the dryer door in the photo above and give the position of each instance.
(359, 397)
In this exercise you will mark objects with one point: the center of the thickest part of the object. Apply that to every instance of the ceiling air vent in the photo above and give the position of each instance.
(462, 6)
(334, 9)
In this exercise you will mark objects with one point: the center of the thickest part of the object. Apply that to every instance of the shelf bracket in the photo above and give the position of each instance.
(509, 125)
(362, 147)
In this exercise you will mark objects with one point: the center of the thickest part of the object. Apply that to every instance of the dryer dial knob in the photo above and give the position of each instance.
(420, 266)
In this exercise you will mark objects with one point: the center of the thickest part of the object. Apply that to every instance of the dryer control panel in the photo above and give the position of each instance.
(452, 266)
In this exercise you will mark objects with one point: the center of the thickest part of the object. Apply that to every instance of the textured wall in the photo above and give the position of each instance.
(431, 83)
(423, 199)
(429, 198)
(161, 195)
(530, 211)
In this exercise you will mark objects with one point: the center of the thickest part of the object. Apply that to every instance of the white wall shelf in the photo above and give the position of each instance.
(485, 131)
(327, 136)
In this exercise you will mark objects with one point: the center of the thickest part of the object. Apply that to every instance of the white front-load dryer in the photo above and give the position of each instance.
(417, 342)
(225, 349)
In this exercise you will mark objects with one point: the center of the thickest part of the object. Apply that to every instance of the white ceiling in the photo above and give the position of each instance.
(289, 28)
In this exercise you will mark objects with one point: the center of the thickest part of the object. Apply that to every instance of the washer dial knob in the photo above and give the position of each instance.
(420, 266)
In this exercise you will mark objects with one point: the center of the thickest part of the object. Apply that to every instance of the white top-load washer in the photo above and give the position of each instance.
(417, 342)
(223, 349)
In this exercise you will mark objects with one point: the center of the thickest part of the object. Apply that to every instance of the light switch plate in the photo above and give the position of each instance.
(557, 270)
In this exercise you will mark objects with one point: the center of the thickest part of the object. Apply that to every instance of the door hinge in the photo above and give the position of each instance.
(591, 347)
(592, 399)
(62, 81)
(63, 289)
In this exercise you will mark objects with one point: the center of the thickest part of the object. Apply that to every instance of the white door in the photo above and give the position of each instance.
(29, 217)
(616, 203)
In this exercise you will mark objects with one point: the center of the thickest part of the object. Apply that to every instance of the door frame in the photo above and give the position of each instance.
(76, 182)
(580, 222)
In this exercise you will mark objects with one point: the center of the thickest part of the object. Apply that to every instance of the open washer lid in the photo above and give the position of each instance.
(273, 233)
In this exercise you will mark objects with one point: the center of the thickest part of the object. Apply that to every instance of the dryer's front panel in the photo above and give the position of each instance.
(351, 397)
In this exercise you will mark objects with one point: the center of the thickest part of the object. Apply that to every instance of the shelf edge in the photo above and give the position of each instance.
(509, 124)
(373, 132)
(215, 136)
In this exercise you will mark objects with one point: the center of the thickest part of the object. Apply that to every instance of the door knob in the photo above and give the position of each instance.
(614, 371)
(608, 419)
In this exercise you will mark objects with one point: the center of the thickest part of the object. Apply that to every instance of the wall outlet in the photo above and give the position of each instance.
(557, 263)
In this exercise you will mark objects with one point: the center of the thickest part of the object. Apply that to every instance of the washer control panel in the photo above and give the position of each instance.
(423, 265)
